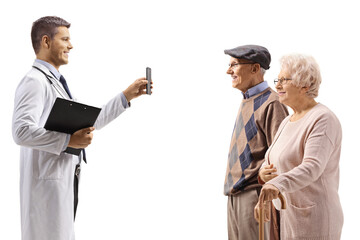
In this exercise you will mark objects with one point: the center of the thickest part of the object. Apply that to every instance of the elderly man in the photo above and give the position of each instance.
(258, 119)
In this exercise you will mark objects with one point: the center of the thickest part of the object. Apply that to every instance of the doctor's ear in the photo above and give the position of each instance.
(45, 41)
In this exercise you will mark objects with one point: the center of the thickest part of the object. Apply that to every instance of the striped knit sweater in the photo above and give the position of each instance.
(256, 124)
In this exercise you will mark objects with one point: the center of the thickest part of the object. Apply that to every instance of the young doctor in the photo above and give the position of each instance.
(49, 176)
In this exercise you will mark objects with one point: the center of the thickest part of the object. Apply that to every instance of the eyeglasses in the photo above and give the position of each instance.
(281, 80)
(233, 65)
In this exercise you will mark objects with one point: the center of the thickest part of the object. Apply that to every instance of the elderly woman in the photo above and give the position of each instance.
(303, 161)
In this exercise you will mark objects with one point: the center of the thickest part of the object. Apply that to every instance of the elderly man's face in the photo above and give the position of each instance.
(240, 71)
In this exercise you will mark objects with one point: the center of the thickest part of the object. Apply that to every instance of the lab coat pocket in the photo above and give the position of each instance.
(48, 166)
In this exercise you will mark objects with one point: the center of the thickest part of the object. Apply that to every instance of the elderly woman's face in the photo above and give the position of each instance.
(289, 94)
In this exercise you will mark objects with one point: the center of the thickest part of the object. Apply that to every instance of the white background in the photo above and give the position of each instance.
(157, 172)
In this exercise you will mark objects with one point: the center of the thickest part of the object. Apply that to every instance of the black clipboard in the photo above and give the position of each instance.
(67, 117)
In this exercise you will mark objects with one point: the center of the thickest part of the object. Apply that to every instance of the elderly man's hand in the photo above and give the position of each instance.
(267, 194)
(267, 173)
(136, 89)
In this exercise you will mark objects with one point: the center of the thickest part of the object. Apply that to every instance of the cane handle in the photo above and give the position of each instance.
(282, 200)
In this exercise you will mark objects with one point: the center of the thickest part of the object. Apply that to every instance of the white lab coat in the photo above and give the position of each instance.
(46, 172)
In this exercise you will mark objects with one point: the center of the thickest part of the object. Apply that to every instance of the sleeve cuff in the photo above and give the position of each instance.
(124, 101)
(277, 182)
(67, 140)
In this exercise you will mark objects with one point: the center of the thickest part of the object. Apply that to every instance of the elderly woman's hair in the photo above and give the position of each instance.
(304, 72)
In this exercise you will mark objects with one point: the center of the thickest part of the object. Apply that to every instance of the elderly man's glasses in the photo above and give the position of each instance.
(281, 80)
(234, 65)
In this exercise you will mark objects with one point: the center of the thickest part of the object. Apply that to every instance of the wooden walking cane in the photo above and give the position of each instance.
(261, 217)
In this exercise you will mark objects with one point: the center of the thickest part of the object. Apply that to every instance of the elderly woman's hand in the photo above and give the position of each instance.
(267, 211)
(267, 173)
(267, 194)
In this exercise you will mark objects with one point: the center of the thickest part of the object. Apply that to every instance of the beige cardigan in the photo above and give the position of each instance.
(306, 154)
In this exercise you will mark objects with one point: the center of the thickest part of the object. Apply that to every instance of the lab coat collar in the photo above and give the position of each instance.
(55, 82)
(44, 69)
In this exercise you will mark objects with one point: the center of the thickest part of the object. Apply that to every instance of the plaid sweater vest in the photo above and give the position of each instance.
(258, 116)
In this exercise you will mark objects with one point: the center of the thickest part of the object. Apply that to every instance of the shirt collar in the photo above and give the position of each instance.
(51, 68)
(255, 90)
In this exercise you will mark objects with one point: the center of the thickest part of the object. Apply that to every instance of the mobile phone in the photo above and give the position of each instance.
(148, 77)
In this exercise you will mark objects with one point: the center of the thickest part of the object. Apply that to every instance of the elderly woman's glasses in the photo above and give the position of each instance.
(281, 80)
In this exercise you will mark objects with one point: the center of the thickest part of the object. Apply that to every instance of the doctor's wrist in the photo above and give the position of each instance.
(125, 102)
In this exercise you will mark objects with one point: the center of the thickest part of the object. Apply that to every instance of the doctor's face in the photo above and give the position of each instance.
(60, 47)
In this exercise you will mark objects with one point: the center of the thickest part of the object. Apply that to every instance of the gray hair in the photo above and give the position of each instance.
(304, 72)
(263, 71)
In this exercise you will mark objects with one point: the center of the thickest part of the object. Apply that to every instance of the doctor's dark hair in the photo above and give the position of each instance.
(45, 26)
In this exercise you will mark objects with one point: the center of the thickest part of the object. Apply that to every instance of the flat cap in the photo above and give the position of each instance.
(254, 53)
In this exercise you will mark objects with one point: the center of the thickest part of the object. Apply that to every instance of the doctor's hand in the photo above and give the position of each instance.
(81, 138)
(136, 89)
(267, 173)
